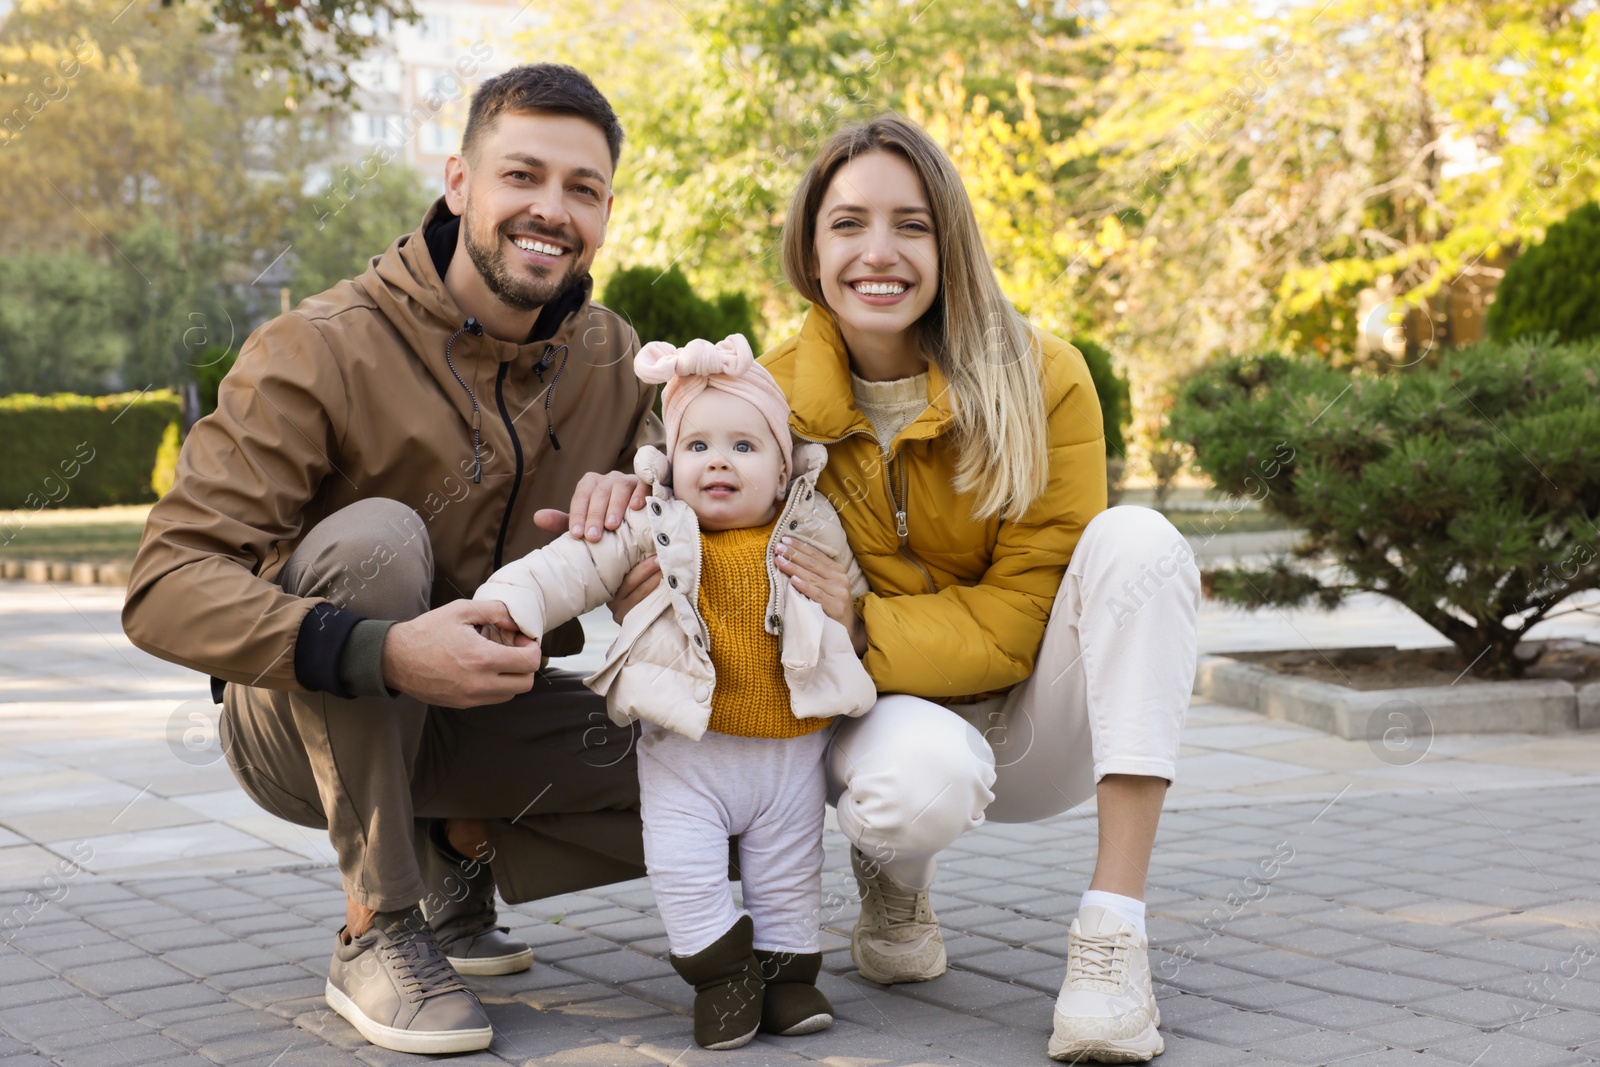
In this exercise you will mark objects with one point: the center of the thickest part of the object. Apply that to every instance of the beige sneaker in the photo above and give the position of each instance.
(1107, 1011)
(896, 938)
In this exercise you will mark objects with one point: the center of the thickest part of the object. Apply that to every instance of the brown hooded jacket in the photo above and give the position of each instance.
(379, 387)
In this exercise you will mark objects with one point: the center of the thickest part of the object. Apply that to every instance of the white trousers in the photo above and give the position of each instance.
(695, 795)
(1108, 695)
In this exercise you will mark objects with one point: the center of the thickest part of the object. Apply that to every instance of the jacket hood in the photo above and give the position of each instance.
(407, 286)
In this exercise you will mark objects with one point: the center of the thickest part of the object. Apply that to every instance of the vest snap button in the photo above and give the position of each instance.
(664, 539)
(655, 507)
(794, 525)
(672, 581)
(697, 640)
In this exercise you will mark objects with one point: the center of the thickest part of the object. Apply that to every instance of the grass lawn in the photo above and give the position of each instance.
(99, 535)
(1223, 521)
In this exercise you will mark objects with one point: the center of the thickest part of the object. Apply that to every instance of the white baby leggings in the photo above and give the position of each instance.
(695, 795)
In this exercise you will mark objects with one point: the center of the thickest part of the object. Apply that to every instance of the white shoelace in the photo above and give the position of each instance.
(1100, 960)
(899, 903)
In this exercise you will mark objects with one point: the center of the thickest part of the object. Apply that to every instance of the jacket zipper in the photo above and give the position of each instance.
(901, 529)
(694, 605)
(774, 578)
(516, 451)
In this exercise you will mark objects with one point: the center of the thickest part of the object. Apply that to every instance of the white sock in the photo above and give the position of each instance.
(1125, 908)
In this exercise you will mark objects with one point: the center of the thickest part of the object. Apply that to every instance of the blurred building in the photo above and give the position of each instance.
(414, 88)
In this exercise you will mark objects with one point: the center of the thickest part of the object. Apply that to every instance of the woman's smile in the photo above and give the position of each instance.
(879, 291)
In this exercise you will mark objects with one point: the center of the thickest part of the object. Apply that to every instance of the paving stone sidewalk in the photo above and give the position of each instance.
(1379, 929)
(1311, 902)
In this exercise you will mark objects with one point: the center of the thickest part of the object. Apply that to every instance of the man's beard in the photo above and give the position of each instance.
(516, 288)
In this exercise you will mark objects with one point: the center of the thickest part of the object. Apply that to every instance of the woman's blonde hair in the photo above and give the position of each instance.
(987, 352)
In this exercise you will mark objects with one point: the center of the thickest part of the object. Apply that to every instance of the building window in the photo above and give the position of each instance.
(440, 138)
(369, 129)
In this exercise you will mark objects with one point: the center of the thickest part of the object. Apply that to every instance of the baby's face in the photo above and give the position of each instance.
(726, 463)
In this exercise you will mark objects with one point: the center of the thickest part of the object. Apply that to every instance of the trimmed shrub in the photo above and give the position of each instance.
(1112, 388)
(80, 451)
(663, 307)
(165, 474)
(1555, 285)
(1468, 491)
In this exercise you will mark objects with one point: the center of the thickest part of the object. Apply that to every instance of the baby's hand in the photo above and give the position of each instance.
(509, 638)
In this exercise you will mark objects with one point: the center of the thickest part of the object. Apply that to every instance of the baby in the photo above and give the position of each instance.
(735, 676)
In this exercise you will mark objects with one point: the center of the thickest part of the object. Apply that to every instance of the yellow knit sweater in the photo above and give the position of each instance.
(751, 699)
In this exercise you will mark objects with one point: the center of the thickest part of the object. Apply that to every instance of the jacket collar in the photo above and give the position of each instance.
(823, 405)
(407, 286)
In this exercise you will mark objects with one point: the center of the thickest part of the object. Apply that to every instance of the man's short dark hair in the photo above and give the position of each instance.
(550, 87)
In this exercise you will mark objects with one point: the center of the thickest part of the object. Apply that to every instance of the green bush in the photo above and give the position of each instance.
(663, 307)
(351, 221)
(1112, 388)
(1555, 285)
(80, 451)
(70, 324)
(1468, 491)
(208, 370)
(63, 323)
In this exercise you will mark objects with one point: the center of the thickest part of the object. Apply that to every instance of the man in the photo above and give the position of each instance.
(374, 456)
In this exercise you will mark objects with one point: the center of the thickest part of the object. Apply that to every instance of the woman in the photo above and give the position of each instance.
(1032, 647)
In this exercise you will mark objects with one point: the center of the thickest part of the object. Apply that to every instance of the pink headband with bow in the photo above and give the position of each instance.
(728, 365)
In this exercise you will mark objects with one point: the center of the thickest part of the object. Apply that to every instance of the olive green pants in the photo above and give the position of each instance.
(555, 782)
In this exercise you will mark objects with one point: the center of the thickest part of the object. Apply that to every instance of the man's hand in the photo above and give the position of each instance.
(819, 577)
(597, 505)
(442, 658)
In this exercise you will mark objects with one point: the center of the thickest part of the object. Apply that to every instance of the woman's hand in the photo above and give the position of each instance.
(636, 585)
(819, 577)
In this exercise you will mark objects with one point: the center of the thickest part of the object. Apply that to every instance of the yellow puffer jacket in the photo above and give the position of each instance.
(958, 605)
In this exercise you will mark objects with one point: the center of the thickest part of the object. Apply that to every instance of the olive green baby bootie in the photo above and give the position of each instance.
(728, 988)
(793, 1005)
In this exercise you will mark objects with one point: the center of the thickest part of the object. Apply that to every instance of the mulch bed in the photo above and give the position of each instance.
(1367, 669)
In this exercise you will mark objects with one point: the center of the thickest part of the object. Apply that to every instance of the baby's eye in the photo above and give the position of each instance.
(697, 446)
(743, 446)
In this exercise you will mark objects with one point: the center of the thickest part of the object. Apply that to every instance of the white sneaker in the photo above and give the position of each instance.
(1107, 1011)
(897, 937)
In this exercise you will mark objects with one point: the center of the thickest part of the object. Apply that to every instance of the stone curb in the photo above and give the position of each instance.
(80, 573)
(1541, 706)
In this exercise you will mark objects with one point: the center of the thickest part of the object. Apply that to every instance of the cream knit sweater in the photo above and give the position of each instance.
(891, 406)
